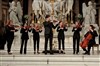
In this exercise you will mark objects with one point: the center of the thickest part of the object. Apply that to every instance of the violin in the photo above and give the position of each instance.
(62, 25)
(14, 27)
(26, 27)
(37, 27)
(78, 25)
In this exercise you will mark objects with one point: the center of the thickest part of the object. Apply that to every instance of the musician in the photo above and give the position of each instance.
(36, 37)
(61, 36)
(92, 41)
(24, 38)
(76, 37)
(10, 35)
(48, 26)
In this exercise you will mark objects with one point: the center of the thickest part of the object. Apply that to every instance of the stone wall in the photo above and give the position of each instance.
(30, 8)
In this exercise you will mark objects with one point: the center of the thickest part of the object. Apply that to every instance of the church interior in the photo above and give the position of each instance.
(87, 12)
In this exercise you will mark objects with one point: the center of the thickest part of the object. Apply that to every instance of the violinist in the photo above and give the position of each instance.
(24, 38)
(36, 37)
(9, 35)
(48, 33)
(92, 41)
(61, 36)
(76, 37)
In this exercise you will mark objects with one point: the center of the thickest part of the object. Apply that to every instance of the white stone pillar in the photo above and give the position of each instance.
(0, 9)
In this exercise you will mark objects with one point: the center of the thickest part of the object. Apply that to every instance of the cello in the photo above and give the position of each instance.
(85, 41)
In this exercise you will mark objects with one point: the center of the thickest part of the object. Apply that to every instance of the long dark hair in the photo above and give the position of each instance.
(92, 27)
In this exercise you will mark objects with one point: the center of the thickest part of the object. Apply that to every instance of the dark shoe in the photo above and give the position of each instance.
(77, 52)
(34, 52)
(51, 53)
(73, 52)
(24, 52)
(20, 53)
(45, 53)
(63, 52)
(9, 53)
(85, 53)
(38, 52)
(88, 53)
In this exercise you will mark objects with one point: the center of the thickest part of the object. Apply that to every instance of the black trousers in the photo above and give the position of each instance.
(2, 42)
(61, 41)
(76, 42)
(9, 44)
(23, 43)
(36, 42)
(48, 38)
(89, 47)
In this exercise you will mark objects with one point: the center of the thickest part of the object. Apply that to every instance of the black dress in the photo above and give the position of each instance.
(61, 37)
(24, 39)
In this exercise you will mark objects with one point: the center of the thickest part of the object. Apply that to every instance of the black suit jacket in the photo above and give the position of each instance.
(24, 33)
(48, 27)
(76, 32)
(61, 34)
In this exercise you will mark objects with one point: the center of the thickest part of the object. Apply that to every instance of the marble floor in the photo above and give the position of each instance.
(30, 59)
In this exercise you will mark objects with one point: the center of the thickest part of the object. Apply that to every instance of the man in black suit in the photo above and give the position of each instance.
(48, 25)
(76, 37)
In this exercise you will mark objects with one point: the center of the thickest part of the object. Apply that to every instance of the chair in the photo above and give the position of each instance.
(97, 46)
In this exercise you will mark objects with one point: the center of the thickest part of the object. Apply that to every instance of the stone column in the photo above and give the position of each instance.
(75, 9)
(25, 9)
(29, 8)
(76, 6)
(0, 9)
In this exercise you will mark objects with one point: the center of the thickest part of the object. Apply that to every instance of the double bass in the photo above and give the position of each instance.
(85, 41)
